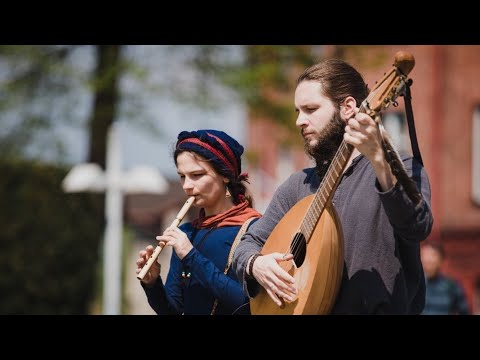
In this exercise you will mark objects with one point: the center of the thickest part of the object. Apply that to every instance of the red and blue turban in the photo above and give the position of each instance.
(217, 146)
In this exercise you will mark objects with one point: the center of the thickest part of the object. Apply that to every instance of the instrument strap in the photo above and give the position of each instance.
(407, 97)
(235, 243)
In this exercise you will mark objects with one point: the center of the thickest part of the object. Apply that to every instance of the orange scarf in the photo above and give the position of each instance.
(236, 215)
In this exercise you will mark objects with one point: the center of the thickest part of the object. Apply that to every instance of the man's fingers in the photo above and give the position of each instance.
(290, 297)
(274, 297)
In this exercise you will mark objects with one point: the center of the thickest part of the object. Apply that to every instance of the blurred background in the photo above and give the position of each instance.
(71, 232)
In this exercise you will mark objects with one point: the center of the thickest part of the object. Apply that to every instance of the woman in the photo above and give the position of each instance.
(209, 165)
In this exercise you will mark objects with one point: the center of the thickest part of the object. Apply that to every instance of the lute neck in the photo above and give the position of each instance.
(326, 189)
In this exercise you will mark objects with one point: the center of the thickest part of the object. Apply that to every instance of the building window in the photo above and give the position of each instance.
(476, 156)
(395, 124)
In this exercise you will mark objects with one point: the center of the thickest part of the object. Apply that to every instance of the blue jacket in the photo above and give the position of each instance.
(445, 296)
(194, 282)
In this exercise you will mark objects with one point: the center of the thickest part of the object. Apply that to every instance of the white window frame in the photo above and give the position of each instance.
(395, 123)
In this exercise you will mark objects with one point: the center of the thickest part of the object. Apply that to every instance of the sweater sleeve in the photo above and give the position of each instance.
(224, 288)
(168, 299)
(411, 222)
(256, 236)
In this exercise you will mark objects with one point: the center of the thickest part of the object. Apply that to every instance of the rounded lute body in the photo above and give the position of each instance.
(317, 269)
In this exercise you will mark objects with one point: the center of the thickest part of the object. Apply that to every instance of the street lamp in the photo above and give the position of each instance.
(91, 178)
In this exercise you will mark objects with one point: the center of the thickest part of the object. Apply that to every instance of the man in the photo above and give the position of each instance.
(381, 225)
(445, 296)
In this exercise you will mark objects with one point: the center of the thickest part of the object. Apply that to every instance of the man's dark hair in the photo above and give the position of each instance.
(339, 80)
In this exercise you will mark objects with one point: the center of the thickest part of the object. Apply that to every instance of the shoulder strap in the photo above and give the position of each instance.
(411, 123)
(235, 243)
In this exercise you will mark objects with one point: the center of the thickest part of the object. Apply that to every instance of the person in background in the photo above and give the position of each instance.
(382, 226)
(445, 295)
(200, 280)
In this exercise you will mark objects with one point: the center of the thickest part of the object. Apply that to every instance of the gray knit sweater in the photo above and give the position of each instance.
(382, 233)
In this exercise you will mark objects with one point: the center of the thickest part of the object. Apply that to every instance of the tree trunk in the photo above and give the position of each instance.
(105, 101)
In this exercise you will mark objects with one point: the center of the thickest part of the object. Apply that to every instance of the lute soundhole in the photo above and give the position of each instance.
(299, 249)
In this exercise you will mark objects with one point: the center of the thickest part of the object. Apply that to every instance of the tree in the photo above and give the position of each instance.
(27, 74)
(105, 100)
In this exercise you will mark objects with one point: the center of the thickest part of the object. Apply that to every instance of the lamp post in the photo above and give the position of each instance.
(90, 177)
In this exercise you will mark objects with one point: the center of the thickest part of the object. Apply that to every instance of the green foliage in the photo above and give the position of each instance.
(48, 243)
(266, 79)
(36, 91)
(252, 72)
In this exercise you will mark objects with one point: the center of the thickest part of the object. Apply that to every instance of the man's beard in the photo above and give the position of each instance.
(327, 144)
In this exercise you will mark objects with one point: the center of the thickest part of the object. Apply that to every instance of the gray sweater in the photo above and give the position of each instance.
(382, 232)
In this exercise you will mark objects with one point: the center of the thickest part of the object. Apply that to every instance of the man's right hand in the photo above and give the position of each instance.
(276, 281)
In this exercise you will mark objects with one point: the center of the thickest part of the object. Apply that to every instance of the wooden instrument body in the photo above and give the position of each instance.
(318, 277)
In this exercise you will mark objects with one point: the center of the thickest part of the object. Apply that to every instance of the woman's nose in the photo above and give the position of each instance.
(187, 184)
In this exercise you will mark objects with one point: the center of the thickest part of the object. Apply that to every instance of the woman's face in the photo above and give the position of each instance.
(198, 178)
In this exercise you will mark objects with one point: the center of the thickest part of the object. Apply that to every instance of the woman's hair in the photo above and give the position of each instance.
(339, 80)
(224, 154)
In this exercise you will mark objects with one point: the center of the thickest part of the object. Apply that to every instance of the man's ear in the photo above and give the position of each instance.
(347, 108)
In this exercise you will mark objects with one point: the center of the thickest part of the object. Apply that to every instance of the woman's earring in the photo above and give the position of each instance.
(227, 193)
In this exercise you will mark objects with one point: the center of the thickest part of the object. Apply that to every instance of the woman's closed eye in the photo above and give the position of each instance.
(191, 176)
